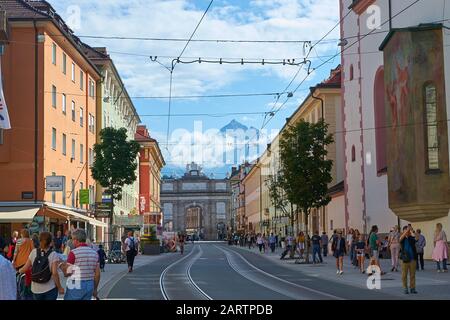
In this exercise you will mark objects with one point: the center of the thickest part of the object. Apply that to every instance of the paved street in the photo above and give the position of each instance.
(217, 271)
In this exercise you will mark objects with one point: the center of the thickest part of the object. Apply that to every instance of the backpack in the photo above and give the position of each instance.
(41, 271)
(132, 244)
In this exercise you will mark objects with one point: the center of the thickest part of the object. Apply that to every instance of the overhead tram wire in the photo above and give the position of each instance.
(173, 68)
(272, 114)
(214, 115)
(225, 95)
(346, 48)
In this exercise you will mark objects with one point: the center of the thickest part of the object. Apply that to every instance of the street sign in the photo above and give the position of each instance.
(103, 210)
(84, 196)
(55, 183)
(102, 214)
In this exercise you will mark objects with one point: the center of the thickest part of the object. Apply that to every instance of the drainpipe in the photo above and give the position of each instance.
(36, 123)
(390, 15)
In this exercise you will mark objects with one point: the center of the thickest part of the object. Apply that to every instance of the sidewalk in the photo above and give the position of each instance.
(429, 283)
(114, 272)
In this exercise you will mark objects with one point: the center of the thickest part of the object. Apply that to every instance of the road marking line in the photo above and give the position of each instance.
(163, 274)
(188, 273)
(283, 280)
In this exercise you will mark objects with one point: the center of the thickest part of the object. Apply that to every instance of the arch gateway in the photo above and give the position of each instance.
(196, 204)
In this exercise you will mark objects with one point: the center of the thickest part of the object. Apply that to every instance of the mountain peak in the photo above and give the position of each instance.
(234, 125)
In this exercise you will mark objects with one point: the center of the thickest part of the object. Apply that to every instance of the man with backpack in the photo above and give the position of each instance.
(130, 250)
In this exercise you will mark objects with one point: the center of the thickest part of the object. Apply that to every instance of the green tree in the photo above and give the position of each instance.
(304, 165)
(115, 161)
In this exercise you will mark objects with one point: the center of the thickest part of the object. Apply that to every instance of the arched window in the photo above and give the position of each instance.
(351, 72)
(353, 154)
(380, 120)
(431, 127)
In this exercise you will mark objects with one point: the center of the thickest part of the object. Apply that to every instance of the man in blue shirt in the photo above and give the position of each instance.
(408, 256)
(272, 242)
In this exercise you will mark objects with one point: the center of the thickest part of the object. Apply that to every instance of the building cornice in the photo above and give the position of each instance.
(359, 6)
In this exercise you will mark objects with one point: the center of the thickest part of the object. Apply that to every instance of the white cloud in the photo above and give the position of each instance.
(212, 148)
(280, 19)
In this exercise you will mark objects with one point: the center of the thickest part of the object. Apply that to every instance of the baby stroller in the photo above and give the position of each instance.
(115, 255)
(23, 288)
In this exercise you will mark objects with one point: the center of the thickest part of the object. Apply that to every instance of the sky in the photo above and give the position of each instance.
(196, 137)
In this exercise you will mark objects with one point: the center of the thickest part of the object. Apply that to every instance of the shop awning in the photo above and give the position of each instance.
(17, 214)
(73, 215)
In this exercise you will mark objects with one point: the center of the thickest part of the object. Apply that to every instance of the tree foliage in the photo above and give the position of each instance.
(305, 167)
(115, 161)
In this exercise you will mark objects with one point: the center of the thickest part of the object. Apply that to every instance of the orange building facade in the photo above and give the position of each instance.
(49, 87)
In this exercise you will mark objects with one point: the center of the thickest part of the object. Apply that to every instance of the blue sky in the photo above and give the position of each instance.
(227, 19)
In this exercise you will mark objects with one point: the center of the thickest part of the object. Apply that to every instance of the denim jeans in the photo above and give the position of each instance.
(444, 264)
(49, 295)
(352, 252)
(325, 250)
(272, 247)
(83, 293)
(316, 250)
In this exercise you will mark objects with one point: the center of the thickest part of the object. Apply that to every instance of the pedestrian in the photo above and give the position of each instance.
(394, 247)
(301, 244)
(131, 248)
(82, 268)
(58, 242)
(8, 285)
(12, 245)
(355, 239)
(266, 243)
(324, 239)
(138, 244)
(2, 245)
(65, 239)
(374, 245)
(44, 261)
(420, 245)
(272, 242)
(130, 254)
(408, 255)
(68, 246)
(349, 241)
(249, 241)
(260, 242)
(440, 251)
(316, 242)
(35, 238)
(360, 250)
(24, 246)
(339, 248)
(289, 245)
(101, 258)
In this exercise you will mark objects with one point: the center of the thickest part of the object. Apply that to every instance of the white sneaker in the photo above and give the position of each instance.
(439, 271)
(337, 272)
(341, 272)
